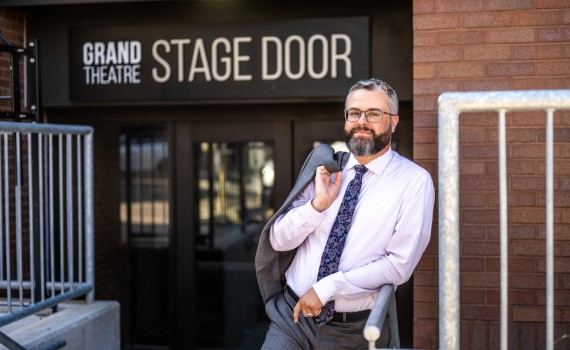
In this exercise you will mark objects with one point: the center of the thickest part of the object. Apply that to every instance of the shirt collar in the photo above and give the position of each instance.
(377, 166)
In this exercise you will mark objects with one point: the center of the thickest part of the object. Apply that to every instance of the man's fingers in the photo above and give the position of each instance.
(296, 311)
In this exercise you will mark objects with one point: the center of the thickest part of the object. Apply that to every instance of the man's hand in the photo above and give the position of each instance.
(325, 190)
(309, 305)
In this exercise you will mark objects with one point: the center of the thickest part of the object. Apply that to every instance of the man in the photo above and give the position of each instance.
(339, 251)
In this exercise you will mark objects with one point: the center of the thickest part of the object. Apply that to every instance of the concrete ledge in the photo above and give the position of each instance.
(82, 326)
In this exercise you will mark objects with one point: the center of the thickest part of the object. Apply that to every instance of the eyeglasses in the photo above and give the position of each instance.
(374, 115)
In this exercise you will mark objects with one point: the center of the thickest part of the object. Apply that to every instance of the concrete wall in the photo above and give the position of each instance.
(82, 326)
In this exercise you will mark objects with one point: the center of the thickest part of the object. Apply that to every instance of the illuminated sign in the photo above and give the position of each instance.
(293, 59)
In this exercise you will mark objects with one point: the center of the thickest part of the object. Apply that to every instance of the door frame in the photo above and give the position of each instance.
(184, 134)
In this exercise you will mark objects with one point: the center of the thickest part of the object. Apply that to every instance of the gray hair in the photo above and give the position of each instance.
(374, 84)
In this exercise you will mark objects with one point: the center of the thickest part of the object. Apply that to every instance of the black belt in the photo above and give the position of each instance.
(344, 317)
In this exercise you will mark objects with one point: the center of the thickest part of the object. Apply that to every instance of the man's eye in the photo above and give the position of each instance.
(373, 115)
(354, 114)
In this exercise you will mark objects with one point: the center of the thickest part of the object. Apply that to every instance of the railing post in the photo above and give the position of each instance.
(448, 156)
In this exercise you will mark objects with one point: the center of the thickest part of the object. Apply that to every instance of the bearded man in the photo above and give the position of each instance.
(352, 223)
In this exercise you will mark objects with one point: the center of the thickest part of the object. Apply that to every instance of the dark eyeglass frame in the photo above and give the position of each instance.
(367, 114)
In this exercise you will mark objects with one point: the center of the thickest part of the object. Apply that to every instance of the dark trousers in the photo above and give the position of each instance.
(284, 334)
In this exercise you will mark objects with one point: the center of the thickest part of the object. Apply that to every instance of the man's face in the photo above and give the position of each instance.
(365, 138)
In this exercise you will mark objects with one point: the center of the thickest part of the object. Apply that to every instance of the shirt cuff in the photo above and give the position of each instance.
(326, 287)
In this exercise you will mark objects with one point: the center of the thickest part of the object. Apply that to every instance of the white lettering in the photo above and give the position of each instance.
(99, 53)
(342, 56)
(225, 61)
(136, 52)
(288, 54)
(88, 54)
(199, 53)
(180, 43)
(239, 58)
(311, 57)
(155, 74)
(265, 75)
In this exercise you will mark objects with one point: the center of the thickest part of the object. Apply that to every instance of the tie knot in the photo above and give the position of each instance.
(360, 170)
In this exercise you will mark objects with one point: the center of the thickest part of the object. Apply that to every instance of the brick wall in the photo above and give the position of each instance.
(479, 45)
(12, 28)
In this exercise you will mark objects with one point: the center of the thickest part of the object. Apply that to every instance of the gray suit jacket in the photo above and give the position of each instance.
(271, 265)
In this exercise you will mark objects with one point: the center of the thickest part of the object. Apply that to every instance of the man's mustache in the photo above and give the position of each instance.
(361, 128)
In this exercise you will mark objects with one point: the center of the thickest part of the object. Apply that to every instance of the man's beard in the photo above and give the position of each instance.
(366, 147)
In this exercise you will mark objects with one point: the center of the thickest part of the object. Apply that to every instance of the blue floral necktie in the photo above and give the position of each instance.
(337, 238)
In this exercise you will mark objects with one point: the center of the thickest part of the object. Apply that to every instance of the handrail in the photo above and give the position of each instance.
(384, 308)
(451, 104)
(46, 219)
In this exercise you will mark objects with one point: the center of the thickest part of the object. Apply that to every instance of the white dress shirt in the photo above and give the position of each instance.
(390, 230)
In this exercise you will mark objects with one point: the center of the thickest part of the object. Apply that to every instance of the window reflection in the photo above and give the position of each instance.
(144, 187)
(234, 189)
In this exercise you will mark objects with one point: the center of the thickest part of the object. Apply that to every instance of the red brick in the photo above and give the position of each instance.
(473, 264)
(516, 264)
(478, 120)
(479, 151)
(529, 83)
(480, 248)
(516, 297)
(472, 200)
(559, 67)
(425, 333)
(425, 103)
(480, 312)
(511, 69)
(527, 281)
(561, 265)
(538, 18)
(540, 51)
(425, 135)
(511, 35)
(480, 216)
(471, 168)
(561, 34)
(527, 150)
(529, 314)
(435, 87)
(425, 279)
(472, 135)
(473, 232)
(502, 5)
(424, 70)
(515, 199)
(425, 39)
(425, 151)
(527, 215)
(462, 37)
(486, 53)
(461, 70)
(458, 6)
(436, 54)
(423, 6)
(486, 85)
(422, 294)
(425, 119)
(486, 20)
(436, 21)
(473, 296)
(550, 4)
(425, 310)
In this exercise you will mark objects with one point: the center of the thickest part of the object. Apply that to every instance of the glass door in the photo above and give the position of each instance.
(231, 176)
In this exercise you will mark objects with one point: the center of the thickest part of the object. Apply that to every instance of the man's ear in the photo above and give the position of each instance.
(395, 120)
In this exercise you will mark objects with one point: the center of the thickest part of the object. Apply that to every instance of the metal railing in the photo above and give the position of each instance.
(450, 106)
(46, 218)
(384, 310)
